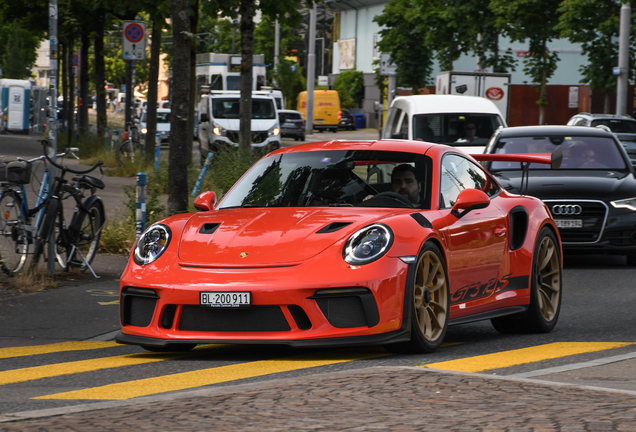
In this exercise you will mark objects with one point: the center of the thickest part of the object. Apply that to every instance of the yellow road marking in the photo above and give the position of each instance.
(114, 302)
(203, 377)
(522, 356)
(47, 371)
(53, 348)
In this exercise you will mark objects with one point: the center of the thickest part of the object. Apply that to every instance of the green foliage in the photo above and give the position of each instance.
(228, 166)
(404, 39)
(291, 81)
(17, 51)
(264, 43)
(350, 88)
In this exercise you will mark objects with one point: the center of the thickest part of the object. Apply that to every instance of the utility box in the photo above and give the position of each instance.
(492, 86)
(15, 105)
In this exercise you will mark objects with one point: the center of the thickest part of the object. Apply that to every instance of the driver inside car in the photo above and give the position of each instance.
(404, 182)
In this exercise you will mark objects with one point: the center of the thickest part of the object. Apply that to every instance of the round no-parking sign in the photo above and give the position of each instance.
(134, 40)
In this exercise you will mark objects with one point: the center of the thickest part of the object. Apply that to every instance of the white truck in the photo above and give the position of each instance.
(492, 86)
(223, 71)
(219, 122)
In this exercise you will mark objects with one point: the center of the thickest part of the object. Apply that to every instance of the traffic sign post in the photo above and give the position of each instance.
(134, 40)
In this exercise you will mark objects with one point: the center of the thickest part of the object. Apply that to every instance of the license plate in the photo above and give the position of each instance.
(569, 223)
(228, 299)
(319, 121)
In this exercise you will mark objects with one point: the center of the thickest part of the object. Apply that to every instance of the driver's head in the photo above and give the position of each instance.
(405, 182)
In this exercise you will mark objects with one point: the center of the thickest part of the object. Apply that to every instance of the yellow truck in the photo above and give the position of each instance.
(326, 109)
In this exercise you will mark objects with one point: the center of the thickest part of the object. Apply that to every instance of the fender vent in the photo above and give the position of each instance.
(209, 228)
(518, 227)
(332, 227)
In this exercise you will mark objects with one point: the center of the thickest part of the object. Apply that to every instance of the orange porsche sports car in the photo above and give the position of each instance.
(342, 243)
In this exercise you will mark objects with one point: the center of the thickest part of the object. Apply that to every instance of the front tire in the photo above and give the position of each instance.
(14, 240)
(545, 291)
(430, 304)
(87, 238)
(125, 153)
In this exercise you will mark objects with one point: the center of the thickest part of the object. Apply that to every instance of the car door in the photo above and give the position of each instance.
(477, 240)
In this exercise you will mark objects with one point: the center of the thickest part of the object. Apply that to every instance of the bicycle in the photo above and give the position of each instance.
(16, 231)
(75, 244)
(126, 151)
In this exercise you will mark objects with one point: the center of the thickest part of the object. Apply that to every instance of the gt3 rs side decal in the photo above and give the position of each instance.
(478, 290)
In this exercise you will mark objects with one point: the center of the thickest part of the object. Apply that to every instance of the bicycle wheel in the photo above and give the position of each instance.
(90, 229)
(14, 239)
(125, 153)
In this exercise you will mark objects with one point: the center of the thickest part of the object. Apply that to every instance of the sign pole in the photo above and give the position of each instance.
(52, 119)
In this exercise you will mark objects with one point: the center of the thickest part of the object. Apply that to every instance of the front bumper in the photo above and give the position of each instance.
(297, 305)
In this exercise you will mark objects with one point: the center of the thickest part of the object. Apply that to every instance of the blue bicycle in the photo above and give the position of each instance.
(19, 223)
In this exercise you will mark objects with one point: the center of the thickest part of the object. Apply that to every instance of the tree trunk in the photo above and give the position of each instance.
(246, 10)
(543, 95)
(130, 94)
(194, 25)
(70, 113)
(84, 99)
(153, 79)
(100, 74)
(180, 106)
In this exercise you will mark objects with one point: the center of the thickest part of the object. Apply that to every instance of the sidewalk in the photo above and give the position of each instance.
(382, 399)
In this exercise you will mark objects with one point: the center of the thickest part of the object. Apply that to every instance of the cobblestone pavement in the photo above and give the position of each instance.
(382, 399)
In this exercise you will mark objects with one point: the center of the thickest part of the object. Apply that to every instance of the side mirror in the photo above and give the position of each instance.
(205, 117)
(469, 200)
(206, 201)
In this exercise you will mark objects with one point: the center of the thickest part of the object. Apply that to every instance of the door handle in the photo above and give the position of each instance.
(500, 231)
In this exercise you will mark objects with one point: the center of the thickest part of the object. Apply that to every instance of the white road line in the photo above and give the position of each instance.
(574, 366)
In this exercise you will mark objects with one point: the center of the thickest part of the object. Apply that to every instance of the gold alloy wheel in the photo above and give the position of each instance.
(548, 282)
(430, 296)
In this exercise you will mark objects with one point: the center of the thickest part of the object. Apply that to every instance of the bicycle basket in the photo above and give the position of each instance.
(17, 172)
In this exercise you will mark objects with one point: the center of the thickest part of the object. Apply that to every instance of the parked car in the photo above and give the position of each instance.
(466, 122)
(163, 124)
(623, 126)
(291, 124)
(592, 197)
(347, 120)
(319, 245)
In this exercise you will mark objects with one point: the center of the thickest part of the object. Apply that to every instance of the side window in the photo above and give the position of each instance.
(459, 174)
(392, 123)
(404, 127)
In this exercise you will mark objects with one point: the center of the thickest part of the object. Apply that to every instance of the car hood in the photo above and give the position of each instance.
(572, 184)
(256, 125)
(267, 236)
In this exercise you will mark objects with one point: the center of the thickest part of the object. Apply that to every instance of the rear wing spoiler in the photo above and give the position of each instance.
(553, 159)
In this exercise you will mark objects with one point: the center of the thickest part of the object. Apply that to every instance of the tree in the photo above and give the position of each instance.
(596, 29)
(19, 52)
(350, 88)
(291, 81)
(404, 39)
(534, 20)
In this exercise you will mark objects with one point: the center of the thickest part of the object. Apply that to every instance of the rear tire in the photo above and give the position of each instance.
(14, 240)
(430, 304)
(87, 238)
(545, 291)
(125, 153)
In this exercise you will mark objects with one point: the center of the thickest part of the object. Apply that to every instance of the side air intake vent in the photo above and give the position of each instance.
(332, 227)
(518, 227)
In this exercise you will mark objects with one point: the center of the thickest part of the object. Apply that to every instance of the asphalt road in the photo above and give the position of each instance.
(592, 352)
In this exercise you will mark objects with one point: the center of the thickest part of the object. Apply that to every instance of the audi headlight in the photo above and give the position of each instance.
(151, 244)
(218, 130)
(368, 244)
(629, 203)
(274, 131)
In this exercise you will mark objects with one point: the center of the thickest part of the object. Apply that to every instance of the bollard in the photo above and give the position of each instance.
(206, 165)
(140, 211)
(115, 140)
(157, 150)
(106, 140)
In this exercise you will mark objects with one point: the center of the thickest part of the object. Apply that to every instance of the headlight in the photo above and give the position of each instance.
(144, 131)
(274, 131)
(629, 203)
(151, 244)
(218, 130)
(368, 244)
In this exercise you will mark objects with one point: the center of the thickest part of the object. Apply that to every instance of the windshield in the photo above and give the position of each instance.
(456, 128)
(579, 152)
(329, 179)
(162, 117)
(228, 108)
(617, 126)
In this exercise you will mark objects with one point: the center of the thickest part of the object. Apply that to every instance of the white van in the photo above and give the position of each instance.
(466, 122)
(219, 122)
